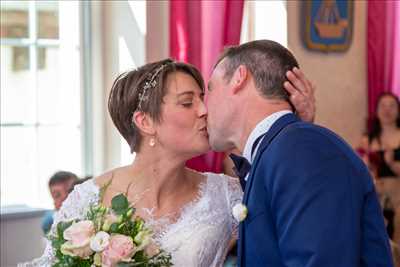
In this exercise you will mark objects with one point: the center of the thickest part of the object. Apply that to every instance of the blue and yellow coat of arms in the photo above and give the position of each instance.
(328, 24)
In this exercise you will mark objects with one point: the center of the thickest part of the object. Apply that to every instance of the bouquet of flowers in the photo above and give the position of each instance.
(107, 237)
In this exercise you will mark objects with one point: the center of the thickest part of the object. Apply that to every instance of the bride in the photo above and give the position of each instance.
(159, 110)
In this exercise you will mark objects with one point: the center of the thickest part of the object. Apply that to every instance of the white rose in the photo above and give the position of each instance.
(100, 241)
(239, 212)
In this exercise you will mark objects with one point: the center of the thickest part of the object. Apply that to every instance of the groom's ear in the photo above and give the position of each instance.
(144, 122)
(239, 79)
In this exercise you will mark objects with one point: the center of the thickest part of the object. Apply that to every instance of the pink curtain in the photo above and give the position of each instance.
(383, 46)
(199, 30)
(396, 48)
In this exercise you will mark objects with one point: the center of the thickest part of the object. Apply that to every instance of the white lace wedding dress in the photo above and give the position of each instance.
(201, 235)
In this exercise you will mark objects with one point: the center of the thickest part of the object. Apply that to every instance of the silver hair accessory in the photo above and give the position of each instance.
(150, 82)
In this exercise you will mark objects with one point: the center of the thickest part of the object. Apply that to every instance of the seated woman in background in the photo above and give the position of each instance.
(381, 151)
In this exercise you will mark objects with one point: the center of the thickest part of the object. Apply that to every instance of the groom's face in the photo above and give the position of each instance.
(219, 110)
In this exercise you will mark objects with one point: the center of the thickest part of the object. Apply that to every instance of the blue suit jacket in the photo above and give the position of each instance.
(311, 203)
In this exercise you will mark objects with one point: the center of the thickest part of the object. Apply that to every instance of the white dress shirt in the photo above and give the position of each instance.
(261, 128)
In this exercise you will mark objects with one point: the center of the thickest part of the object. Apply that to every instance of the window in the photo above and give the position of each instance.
(128, 59)
(265, 20)
(40, 98)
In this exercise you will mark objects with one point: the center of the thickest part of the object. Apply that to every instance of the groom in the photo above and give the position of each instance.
(311, 201)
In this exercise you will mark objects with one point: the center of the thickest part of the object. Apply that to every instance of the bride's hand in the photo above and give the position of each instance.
(301, 92)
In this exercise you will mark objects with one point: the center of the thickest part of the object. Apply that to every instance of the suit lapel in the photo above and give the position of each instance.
(276, 128)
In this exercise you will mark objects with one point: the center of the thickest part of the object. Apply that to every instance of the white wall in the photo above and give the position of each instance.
(157, 41)
(124, 49)
(98, 97)
(21, 239)
(340, 77)
(129, 44)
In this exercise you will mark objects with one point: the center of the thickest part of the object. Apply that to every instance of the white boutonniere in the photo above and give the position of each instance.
(239, 212)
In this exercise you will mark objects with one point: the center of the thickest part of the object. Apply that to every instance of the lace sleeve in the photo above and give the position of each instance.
(234, 195)
(74, 207)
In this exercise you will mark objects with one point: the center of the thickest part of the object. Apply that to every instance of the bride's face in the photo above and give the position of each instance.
(183, 127)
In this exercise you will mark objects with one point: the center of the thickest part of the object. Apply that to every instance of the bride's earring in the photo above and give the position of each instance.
(152, 142)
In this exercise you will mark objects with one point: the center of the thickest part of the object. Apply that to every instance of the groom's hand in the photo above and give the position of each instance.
(301, 92)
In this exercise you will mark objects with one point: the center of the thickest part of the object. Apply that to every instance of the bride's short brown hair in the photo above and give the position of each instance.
(143, 89)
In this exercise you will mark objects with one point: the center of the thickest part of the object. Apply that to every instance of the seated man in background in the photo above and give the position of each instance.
(59, 186)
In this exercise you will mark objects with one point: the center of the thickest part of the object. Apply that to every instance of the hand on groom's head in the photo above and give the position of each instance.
(301, 92)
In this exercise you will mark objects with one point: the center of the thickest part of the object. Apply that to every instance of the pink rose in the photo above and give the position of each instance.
(120, 248)
(78, 237)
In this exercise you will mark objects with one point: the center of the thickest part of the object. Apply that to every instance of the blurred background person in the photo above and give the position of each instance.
(380, 150)
(60, 185)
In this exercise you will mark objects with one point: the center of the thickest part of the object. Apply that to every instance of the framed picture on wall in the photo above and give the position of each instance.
(327, 24)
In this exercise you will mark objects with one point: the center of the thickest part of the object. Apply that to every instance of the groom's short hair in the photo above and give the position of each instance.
(267, 61)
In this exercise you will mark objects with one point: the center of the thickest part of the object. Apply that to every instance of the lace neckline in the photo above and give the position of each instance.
(163, 223)
(166, 225)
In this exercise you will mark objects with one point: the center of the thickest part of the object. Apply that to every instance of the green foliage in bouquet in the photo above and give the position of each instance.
(105, 233)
